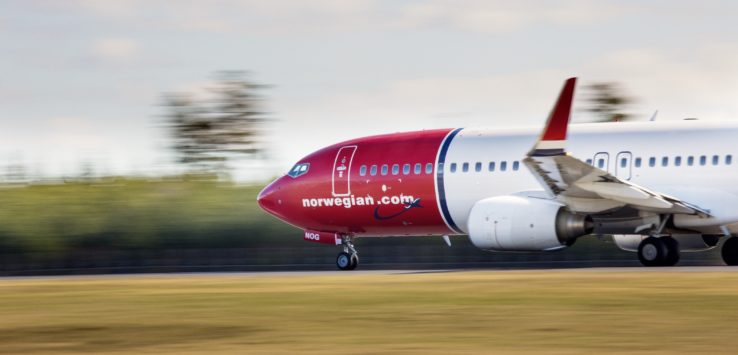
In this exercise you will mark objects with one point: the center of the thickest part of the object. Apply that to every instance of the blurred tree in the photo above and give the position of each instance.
(15, 173)
(608, 102)
(226, 123)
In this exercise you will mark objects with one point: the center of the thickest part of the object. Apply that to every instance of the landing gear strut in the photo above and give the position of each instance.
(348, 259)
(658, 251)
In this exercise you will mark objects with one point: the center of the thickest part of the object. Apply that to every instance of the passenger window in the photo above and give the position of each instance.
(589, 161)
(623, 162)
(395, 169)
(362, 170)
(418, 168)
(373, 170)
(491, 166)
(503, 166)
(665, 161)
(638, 162)
(465, 167)
(703, 160)
(453, 167)
(678, 161)
(429, 168)
(690, 160)
(385, 169)
(478, 167)
(728, 159)
(601, 163)
(516, 165)
(652, 162)
(715, 160)
(406, 169)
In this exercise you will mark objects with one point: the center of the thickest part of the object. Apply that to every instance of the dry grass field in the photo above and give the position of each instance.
(472, 312)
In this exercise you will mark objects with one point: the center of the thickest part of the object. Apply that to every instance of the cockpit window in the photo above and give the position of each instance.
(299, 169)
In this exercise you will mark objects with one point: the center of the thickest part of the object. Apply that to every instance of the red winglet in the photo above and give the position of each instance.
(558, 120)
(552, 139)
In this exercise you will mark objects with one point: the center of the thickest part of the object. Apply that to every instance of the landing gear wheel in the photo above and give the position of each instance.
(348, 259)
(730, 251)
(344, 261)
(652, 252)
(672, 255)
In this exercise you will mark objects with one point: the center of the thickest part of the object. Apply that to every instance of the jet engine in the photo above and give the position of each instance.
(519, 223)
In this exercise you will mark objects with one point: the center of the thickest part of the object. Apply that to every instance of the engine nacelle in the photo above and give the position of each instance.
(686, 242)
(518, 223)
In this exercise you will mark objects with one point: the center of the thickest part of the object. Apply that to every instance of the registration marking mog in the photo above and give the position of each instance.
(351, 201)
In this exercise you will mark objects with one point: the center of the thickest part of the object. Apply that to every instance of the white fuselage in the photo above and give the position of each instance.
(694, 160)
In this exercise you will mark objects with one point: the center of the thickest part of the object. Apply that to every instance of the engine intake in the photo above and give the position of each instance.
(518, 223)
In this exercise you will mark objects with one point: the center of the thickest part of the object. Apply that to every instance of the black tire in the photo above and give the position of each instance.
(652, 252)
(729, 251)
(672, 255)
(354, 261)
(344, 261)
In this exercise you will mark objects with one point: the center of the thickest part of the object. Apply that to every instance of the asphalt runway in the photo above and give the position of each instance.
(369, 265)
(311, 273)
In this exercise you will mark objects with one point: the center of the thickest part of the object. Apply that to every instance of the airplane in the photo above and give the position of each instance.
(658, 188)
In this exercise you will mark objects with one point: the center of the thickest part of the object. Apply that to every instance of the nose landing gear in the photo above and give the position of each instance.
(348, 259)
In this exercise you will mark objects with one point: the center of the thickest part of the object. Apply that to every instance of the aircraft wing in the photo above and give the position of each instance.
(581, 186)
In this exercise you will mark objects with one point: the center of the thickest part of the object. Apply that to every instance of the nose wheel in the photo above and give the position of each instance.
(348, 259)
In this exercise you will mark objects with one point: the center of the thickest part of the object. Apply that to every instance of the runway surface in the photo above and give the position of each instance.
(348, 274)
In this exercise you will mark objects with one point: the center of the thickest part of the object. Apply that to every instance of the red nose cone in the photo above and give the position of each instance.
(269, 199)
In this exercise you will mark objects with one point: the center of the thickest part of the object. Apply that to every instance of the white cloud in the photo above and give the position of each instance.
(507, 16)
(282, 17)
(685, 82)
(240, 16)
(297, 16)
(116, 49)
(109, 7)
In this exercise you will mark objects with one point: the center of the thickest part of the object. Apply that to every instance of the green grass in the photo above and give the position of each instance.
(132, 214)
(564, 312)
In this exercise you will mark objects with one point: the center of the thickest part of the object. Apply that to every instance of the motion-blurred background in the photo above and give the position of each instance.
(136, 134)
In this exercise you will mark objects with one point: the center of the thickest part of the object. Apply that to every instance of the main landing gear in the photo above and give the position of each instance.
(664, 251)
(348, 259)
(659, 251)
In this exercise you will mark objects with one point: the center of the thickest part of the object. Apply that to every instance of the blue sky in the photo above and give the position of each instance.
(82, 80)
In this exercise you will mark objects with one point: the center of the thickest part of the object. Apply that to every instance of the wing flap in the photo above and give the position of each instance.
(615, 190)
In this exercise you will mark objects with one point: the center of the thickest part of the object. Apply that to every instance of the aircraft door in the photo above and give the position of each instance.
(602, 161)
(624, 165)
(341, 171)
